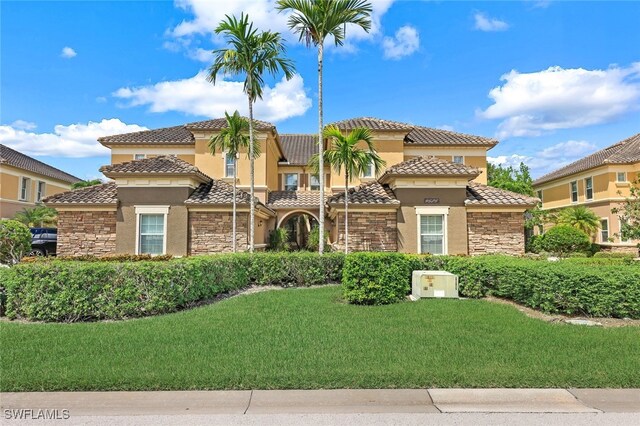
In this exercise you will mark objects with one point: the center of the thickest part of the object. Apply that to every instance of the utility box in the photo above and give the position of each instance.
(434, 284)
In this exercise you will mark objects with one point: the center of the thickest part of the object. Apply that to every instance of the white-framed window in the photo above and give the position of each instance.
(290, 181)
(139, 156)
(314, 182)
(368, 171)
(588, 188)
(41, 191)
(458, 159)
(574, 191)
(229, 165)
(604, 230)
(432, 229)
(151, 225)
(621, 177)
(25, 183)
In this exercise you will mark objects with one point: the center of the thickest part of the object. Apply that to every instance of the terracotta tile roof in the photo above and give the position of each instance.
(367, 193)
(176, 135)
(220, 123)
(283, 199)
(97, 194)
(623, 152)
(298, 148)
(371, 123)
(428, 136)
(161, 165)
(17, 159)
(217, 192)
(430, 166)
(478, 194)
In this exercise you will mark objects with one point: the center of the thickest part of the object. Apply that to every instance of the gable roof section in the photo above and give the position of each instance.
(176, 135)
(483, 195)
(221, 123)
(286, 199)
(217, 192)
(370, 193)
(298, 148)
(430, 167)
(105, 194)
(11, 157)
(371, 123)
(161, 165)
(427, 136)
(623, 152)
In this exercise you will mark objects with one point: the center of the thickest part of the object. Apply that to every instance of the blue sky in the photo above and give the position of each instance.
(553, 81)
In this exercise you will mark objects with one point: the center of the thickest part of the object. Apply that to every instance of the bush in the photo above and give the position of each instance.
(376, 278)
(105, 258)
(15, 241)
(279, 239)
(565, 239)
(534, 245)
(614, 255)
(69, 291)
(313, 242)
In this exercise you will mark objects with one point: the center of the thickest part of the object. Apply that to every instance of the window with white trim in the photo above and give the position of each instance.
(314, 182)
(621, 177)
(229, 165)
(368, 170)
(458, 159)
(41, 191)
(139, 156)
(290, 181)
(604, 230)
(151, 229)
(432, 233)
(574, 191)
(588, 188)
(24, 188)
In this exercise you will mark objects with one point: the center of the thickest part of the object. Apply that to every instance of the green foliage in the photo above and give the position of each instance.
(313, 240)
(279, 239)
(629, 213)
(37, 217)
(614, 255)
(511, 179)
(86, 183)
(69, 291)
(234, 137)
(15, 241)
(581, 218)
(105, 258)
(564, 239)
(534, 245)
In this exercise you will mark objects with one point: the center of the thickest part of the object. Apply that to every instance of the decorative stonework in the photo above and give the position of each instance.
(88, 232)
(619, 249)
(212, 232)
(369, 231)
(495, 232)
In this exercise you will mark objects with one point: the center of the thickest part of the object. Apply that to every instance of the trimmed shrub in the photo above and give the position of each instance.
(565, 239)
(105, 258)
(15, 241)
(614, 255)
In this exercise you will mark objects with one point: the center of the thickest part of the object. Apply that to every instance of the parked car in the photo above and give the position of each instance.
(43, 241)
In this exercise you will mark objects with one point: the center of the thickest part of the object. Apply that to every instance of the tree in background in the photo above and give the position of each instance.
(15, 241)
(515, 180)
(629, 213)
(314, 21)
(579, 217)
(252, 54)
(86, 183)
(39, 216)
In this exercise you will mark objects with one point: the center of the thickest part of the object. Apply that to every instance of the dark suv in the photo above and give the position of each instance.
(43, 241)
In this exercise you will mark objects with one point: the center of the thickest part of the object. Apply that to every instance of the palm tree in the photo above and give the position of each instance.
(37, 216)
(343, 153)
(231, 140)
(580, 217)
(252, 54)
(314, 21)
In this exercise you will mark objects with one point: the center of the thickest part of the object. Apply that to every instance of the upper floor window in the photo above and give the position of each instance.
(229, 165)
(621, 177)
(291, 182)
(368, 171)
(24, 188)
(458, 159)
(588, 188)
(574, 191)
(139, 156)
(314, 182)
(604, 230)
(41, 191)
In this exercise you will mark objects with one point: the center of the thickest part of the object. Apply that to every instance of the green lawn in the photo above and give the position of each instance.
(308, 338)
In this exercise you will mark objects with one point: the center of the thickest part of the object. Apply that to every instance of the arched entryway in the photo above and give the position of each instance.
(299, 225)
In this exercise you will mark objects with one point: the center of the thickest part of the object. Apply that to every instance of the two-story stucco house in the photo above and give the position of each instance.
(599, 181)
(25, 182)
(171, 195)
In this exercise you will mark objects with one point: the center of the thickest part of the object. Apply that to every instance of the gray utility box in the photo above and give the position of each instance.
(434, 284)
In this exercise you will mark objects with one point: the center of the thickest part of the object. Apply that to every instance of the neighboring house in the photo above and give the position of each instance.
(171, 195)
(25, 182)
(599, 181)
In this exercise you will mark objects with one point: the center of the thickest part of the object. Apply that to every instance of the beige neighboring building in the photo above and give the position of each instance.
(599, 181)
(171, 195)
(25, 182)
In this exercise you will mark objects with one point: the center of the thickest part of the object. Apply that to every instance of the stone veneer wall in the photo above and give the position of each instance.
(212, 232)
(369, 231)
(620, 249)
(495, 232)
(86, 232)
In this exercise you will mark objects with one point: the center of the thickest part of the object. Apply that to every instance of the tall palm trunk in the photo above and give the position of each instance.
(235, 181)
(346, 214)
(320, 153)
(251, 171)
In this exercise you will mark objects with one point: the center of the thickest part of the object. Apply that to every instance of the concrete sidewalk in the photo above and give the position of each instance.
(340, 401)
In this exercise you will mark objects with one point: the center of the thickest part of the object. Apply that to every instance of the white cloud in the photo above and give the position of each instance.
(486, 23)
(74, 140)
(68, 52)
(548, 159)
(23, 125)
(200, 54)
(196, 96)
(404, 43)
(556, 98)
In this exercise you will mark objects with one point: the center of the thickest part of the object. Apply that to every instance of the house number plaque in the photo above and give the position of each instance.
(432, 200)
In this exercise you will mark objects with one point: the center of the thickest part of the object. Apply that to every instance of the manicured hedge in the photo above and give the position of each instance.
(68, 291)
